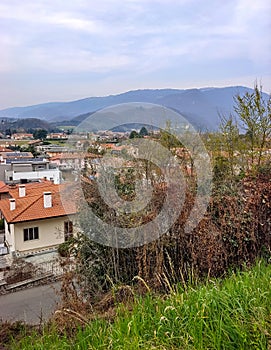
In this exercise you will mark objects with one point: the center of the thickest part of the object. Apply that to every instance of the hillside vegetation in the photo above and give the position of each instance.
(205, 289)
(234, 313)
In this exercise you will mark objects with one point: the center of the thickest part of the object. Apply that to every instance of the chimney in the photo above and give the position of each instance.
(21, 190)
(12, 204)
(47, 199)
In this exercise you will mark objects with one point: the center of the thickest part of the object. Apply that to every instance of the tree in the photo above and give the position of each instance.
(168, 138)
(230, 141)
(40, 134)
(134, 134)
(143, 132)
(254, 111)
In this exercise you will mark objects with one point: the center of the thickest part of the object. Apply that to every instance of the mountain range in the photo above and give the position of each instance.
(202, 107)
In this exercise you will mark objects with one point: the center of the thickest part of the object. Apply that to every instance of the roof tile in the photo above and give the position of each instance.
(31, 207)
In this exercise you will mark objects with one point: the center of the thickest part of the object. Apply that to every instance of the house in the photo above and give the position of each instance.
(73, 161)
(7, 157)
(33, 170)
(4, 149)
(22, 136)
(29, 170)
(35, 143)
(53, 150)
(57, 136)
(35, 218)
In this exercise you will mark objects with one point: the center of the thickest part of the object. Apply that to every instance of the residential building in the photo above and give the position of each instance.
(35, 219)
(73, 161)
(27, 170)
(8, 157)
(57, 136)
(22, 136)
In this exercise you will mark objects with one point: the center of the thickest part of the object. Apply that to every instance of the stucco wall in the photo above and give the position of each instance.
(55, 174)
(9, 236)
(51, 233)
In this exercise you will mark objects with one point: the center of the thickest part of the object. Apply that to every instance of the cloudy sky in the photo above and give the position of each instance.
(59, 50)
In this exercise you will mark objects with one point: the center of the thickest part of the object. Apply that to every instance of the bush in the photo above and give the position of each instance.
(65, 248)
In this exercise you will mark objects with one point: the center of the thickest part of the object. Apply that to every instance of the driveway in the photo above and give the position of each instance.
(30, 305)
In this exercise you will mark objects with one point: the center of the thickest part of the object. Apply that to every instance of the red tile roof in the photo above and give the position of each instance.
(5, 150)
(75, 156)
(3, 187)
(31, 207)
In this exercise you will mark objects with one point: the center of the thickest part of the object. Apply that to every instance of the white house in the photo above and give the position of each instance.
(35, 218)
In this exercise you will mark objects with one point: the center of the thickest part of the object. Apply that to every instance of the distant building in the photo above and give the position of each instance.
(73, 161)
(22, 136)
(8, 157)
(3, 149)
(29, 170)
(35, 143)
(53, 150)
(57, 136)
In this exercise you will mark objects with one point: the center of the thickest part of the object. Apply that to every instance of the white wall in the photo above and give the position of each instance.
(55, 174)
(51, 234)
(9, 236)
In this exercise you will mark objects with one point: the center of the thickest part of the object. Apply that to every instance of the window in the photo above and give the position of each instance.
(31, 233)
(68, 229)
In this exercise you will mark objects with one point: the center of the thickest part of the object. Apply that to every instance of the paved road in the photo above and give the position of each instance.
(31, 304)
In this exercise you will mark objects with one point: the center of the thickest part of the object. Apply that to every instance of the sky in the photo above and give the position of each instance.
(62, 50)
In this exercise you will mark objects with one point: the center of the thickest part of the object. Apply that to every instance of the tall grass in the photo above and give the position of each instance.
(234, 313)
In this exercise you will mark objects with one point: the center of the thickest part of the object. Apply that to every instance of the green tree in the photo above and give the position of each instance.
(143, 132)
(230, 142)
(254, 111)
(134, 134)
(168, 138)
(40, 134)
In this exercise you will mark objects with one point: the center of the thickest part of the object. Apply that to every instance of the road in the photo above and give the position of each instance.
(30, 305)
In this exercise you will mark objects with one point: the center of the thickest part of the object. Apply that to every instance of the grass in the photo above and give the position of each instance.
(234, 313)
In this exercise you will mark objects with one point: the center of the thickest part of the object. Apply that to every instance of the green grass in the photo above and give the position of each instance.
(234, 313)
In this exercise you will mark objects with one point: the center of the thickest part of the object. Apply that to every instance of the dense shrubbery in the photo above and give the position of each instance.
(235, 230)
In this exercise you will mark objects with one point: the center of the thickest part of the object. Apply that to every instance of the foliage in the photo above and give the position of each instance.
(19, 270)
(64, 249)
(234, 231)
(40, 134)
(255, 114)
(167, 137)
(134, 135)
(233, 313)
(29, 148)
(143, 132)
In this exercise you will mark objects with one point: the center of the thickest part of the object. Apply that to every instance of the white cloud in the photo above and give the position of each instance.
(73, 62)
(145, 38)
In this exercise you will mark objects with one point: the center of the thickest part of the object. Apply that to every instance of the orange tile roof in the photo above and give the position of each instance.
(5, 150)
(31, 206)
(75, 156)
(3, 187)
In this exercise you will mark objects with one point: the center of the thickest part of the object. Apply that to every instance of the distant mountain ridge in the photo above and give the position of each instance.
(200, 106)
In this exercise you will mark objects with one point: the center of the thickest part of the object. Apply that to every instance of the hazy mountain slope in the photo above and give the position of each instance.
(200, 106)
(67, 110)
(193, 104)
